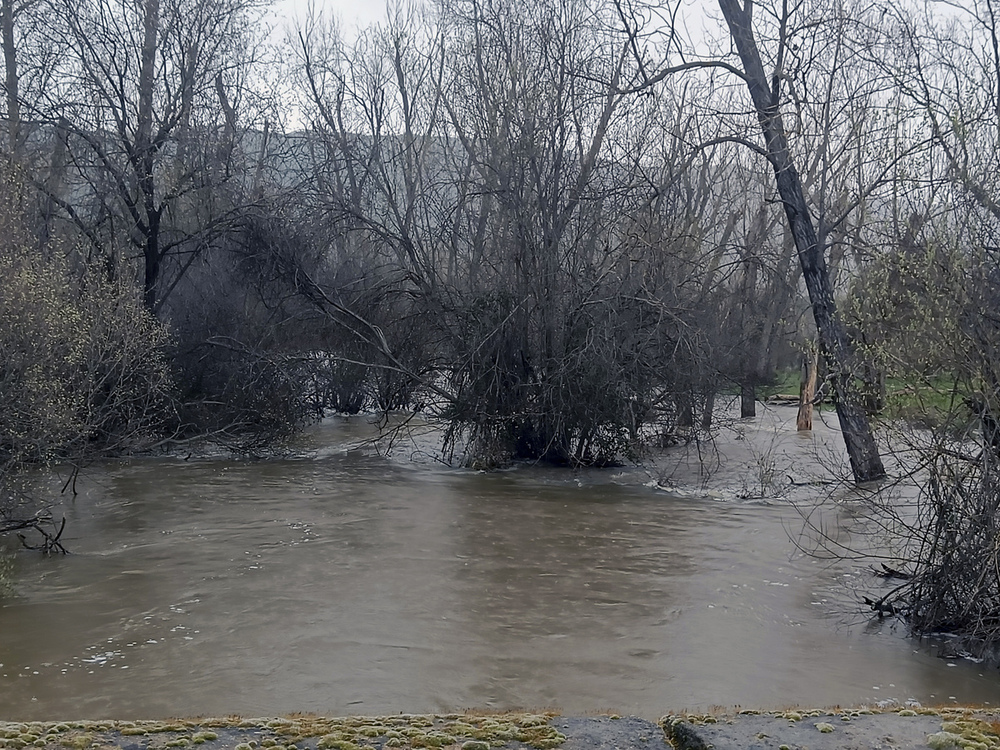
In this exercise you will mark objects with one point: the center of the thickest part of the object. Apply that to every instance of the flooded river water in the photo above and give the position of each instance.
(343, 581)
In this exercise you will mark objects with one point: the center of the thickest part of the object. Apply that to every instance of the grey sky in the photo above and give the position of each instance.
(352, 13)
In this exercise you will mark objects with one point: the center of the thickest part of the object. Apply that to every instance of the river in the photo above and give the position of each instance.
(342, 580)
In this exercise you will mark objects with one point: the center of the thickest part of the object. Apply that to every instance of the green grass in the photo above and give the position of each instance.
(785, 382)
(925, 402)
(917, 400)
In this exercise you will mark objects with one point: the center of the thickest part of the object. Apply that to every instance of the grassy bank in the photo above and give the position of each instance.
(467, 731)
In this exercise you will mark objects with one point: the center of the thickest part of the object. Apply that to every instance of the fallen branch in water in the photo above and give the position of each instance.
(888, 572)
(50, 540)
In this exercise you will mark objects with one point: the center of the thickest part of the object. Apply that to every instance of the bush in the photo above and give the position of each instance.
(956, 586)
(243, 398)
(948, 555)
(82, 369)
(577, 394)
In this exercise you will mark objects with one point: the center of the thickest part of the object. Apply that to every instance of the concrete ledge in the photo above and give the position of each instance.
(842, 729)
(944, 729)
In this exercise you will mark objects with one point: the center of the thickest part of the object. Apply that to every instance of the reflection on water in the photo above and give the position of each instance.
(350, 583)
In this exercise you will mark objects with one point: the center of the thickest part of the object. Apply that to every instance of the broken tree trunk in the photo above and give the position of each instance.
(807, 389)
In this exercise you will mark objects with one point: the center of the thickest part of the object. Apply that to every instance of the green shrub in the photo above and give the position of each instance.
(82, 369)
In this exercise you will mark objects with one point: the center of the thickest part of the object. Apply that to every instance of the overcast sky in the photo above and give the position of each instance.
(358, 13)
(352, 12)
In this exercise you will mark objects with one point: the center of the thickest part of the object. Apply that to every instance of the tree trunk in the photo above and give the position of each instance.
(11, 80)
(144, 156)
(708, 413)
(54, 181)
(807, 389)
(151, 253)
(748, 401)
(873, 379)
(866, 463)
(685, 411)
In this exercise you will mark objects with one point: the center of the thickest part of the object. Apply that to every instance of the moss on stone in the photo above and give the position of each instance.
(77, 741)
(480, 732)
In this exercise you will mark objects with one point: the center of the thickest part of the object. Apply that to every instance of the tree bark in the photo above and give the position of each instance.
(748, 401)
(708, 412)
(54, 181)
(807, 389)
(866, 464)
(11, 80)
(145, 153)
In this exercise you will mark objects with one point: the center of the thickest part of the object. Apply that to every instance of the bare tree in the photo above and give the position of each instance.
(493, 172)
(765, 92)
(137, 81)
(31, 59)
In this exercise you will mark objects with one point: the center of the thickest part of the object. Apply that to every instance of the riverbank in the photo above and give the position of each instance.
(899, 729)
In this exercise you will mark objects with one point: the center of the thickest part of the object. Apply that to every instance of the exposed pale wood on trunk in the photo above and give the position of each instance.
(807, 389)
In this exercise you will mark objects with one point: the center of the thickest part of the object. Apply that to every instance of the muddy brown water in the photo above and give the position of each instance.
(344, 581)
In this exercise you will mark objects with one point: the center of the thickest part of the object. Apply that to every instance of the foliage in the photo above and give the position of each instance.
(83, 370)
(6, 573)
(906, 308)
(947, 539)
(619, 365)
(923, 402)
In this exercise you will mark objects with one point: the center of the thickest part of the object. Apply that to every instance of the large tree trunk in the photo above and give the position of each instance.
(144, 153)
(866, 463)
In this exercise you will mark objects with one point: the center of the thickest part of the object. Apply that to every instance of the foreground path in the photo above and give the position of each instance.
(860, 729)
